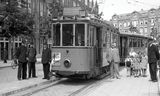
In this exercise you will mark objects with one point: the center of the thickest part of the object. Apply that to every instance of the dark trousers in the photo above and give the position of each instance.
(31, 69)
(153, 70)
(5, 61)
(46, 70)
(22, 70)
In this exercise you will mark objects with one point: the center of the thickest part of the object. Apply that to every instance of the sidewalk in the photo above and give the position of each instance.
(8, 64)
(126, 86)
(13, 87)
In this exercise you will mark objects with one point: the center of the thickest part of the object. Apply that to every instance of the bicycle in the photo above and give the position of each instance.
(14, 64)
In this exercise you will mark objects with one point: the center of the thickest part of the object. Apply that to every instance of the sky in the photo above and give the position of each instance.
(111, 7)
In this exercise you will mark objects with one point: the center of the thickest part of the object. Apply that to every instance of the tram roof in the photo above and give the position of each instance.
(94, 22)
(134, 35)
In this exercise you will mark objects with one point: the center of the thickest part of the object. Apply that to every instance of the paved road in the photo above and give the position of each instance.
(8, 74)
(126, 86)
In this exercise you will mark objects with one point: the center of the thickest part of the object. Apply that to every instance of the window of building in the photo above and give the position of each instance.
(158, 19)
(152, 21)
(141, 30)
(141, 22)
(145, 22)
(128, 24)
(134, 23)
(145, 30)
(120, 24)
(125, 24)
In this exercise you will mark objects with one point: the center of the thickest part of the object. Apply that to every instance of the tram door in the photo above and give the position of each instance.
(99, 47)
(123, 48)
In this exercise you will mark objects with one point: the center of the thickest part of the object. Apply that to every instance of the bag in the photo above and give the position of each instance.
(128, 63)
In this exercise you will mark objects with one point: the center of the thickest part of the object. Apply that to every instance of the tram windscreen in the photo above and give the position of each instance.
(67, 30)
(79, 33)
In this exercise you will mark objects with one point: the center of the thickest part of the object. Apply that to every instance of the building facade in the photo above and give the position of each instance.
(144, 22)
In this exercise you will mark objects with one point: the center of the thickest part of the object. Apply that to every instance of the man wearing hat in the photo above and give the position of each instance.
(21, 55)
(153, 57)
(46, 59)
(31, 61)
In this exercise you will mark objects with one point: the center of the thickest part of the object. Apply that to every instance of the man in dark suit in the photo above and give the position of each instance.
(21, 55)
(153, 56)
(46, 60)
(31, 61)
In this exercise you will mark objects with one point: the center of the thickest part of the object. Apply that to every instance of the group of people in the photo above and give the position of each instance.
(136, 63)
(27, 56)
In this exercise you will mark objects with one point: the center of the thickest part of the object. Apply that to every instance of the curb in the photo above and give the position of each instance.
(26, 88)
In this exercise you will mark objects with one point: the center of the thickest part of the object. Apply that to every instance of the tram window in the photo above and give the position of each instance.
(130, 42)
(142, 43)
(92, 32)
(134, 43)
(56, 35)
(79, 33)
(67, 31)
(139, 43)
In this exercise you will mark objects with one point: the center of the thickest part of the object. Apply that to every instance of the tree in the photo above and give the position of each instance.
(15, 19)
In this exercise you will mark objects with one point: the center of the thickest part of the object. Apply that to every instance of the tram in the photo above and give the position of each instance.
(130, 41)
(80, 47)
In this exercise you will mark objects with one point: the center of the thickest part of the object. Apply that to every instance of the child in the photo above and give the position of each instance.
(136, 64)
(144, 64)
(128, 66)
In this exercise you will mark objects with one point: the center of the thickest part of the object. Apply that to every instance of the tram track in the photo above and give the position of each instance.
(81, 88)
(54, 83)
(88, 88)
(36, 89)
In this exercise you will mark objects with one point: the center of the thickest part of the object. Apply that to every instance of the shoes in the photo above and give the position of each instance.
(48, 78)
(154, 80)
(25, 78)
(44, 78)
(112, 77)
(118, 77)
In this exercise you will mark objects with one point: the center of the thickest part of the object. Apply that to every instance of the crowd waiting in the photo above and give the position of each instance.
(137, 62)
(25, 55)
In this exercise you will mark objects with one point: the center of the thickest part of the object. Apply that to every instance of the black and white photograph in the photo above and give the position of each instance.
(79, 47)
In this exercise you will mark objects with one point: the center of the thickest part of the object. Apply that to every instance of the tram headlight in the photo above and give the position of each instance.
(67, 63)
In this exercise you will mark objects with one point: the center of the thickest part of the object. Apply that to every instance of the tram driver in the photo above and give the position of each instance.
(67, 38)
